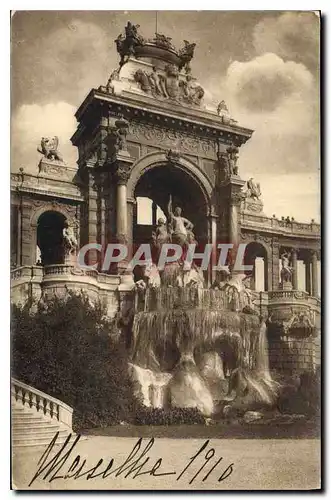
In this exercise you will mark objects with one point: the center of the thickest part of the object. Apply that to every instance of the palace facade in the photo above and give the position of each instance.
(148, 134)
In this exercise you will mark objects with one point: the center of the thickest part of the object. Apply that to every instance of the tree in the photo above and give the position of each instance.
(69, 349)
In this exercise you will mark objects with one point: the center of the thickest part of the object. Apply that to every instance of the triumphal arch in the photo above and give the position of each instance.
(148, 133)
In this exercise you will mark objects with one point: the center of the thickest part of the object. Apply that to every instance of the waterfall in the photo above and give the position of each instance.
(177, 322)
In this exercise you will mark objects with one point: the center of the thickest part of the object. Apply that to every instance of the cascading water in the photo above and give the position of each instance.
(195, 347)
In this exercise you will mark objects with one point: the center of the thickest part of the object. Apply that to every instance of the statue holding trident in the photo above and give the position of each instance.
(181, 229)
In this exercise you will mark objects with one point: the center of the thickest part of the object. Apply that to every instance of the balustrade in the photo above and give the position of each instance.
(29, 397)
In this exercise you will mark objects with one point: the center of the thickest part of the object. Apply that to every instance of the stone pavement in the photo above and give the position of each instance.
(257, 464)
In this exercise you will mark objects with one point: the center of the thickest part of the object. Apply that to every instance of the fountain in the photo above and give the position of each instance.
(194, 346)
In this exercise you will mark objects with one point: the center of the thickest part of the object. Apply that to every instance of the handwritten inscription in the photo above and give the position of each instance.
(62, 465)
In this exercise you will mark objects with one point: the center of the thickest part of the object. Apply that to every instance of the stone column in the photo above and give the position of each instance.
(314, 274)
(102, 212)
(213, 241)
(275, 265)
(19, 236)
(154, 213)
(295, 269)
(92, 256)
(235, 200)
(121, 214)
(28, 244)
(308, 275)
(122, 174)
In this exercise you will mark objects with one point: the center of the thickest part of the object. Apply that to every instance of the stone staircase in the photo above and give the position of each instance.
(36, 417)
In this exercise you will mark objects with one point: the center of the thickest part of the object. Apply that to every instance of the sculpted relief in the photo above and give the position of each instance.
(168, 85)
(169, 138)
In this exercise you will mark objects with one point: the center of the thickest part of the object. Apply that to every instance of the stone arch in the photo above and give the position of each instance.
(159, 159)
(51, 207)
(69, 214)
(257, 247)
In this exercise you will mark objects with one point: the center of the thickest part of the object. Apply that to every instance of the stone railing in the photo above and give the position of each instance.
(38, 401)
(292, 296)
(21, 272)
(57, 269)
(274, 224)
(288, 295)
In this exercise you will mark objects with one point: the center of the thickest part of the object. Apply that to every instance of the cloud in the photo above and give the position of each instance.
(31, 122)
(66, 64)
(292, 35)
(278, 100)
(266, 82)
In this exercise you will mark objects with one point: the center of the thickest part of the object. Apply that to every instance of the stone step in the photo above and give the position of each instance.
(47, 433)
(37, 425)
(30, 420)
(18, 408)
(37, 441)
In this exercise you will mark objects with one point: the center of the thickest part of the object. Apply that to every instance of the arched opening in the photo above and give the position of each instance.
(153, 191)
(256, 256)
(50, 238)
(148, 212)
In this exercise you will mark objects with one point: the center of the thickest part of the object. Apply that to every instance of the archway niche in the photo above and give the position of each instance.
(256, 256)
(50, 238)
(158, 184)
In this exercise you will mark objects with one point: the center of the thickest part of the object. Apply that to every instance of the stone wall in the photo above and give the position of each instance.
(33, 282)
(294, 355)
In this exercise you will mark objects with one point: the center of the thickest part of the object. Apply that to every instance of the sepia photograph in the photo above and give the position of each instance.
(165, 250)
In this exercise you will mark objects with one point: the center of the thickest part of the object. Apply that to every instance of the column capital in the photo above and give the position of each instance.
(313, 254)
(122, 172)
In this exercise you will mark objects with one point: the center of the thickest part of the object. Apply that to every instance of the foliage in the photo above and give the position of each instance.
(303, 397)
(69, 349)
(171, 416)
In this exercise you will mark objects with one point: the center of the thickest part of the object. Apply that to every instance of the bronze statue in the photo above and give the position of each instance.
(186, 55)
(163, 41)
(126, 45)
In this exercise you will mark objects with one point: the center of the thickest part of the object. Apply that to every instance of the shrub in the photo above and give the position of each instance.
(171, 416)
(68, 349)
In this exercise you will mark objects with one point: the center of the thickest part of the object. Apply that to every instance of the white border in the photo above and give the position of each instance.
(4, 182)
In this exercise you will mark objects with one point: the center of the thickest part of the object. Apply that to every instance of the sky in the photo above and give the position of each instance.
(265, 65)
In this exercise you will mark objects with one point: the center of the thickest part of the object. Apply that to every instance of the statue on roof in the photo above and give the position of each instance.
(127, 44)
(186, 54)
(222, 108)
(163, 41)
(253, 189)
(49, 148)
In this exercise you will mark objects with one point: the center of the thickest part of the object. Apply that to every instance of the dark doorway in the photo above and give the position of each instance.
(50, 238)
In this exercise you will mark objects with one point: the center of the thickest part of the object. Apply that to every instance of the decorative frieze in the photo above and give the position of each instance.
(258, 237)
(168, 138)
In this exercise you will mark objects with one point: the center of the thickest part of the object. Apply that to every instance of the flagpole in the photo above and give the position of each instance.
(156, 21)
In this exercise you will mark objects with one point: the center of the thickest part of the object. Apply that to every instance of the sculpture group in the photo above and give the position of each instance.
(167, 85)
(177, 229)
(127, 45)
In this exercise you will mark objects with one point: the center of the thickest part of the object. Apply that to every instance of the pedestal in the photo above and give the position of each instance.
(286, 285)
